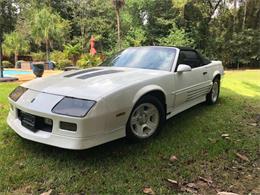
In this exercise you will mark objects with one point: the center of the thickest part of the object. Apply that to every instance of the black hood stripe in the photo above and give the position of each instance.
(82, 72)
(99, 73)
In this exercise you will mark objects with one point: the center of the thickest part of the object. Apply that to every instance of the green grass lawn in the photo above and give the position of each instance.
(194, 137)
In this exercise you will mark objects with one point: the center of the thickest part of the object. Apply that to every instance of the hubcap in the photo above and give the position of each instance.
(214, 93)
(144, 120)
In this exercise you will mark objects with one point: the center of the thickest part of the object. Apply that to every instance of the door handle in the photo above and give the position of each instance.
(205, 73)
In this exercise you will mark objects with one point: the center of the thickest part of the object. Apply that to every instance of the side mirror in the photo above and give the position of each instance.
(183, 68)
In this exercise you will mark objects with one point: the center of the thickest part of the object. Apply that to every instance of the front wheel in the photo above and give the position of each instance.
(212, 96)
(145, 119)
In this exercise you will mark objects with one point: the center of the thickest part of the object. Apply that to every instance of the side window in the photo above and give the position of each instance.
(190, 58)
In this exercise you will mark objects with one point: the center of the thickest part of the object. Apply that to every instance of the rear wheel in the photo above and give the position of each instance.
(212, 96)
(145, 119)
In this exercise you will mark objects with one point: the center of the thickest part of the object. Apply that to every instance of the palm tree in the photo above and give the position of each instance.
(15, 43)
(118, 5)
(47, 27)
(73, 52)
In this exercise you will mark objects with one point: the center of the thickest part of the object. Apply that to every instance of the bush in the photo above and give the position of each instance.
(40, 56)
(61, 64)
(57, 56)
(88, 60)
(7, 64)
(60, 59)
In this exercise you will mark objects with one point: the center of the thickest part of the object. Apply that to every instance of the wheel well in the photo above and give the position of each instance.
(158, 94)
(217, 77)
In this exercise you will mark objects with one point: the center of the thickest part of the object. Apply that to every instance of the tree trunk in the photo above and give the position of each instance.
(74, 60)
(235, 15)
(118, 29)
(47, 43)
(15, 59)
(1, 65)
(244, 17)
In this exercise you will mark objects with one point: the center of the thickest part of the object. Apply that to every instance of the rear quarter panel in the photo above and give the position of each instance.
(214, 68)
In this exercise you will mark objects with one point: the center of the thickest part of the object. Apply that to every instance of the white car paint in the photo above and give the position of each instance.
(115, 95)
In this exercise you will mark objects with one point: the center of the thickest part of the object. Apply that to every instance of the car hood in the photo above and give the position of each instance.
(93, 83)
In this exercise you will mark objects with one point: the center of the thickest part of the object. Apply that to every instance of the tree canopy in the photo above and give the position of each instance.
(221, 29)
(15, 43)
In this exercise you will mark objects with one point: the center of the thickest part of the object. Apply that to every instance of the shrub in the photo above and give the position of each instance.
(88, 60)
(40, 56)
(73, 52)
(7, 64)
(57, 56)
(60, 59)
(61, 64)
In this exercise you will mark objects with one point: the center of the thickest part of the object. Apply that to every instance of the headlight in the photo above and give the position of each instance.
(17, 93)
(73, 107)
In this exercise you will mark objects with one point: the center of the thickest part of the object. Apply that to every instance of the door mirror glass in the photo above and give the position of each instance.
(183, 68)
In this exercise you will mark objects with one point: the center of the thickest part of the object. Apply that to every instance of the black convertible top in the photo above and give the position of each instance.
(204, 59)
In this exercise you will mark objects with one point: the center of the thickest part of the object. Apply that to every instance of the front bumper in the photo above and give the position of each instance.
(90, 130)
(48, 138)
(61, 141)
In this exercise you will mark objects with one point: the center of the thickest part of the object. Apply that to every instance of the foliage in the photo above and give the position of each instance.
(15, 43)
(247, 48)
(73, 52)
(217, 28)
(60, 59)
(61, 64)
(135, 37)
(95, 17)
(39, 56)
(48, 26)
(57, 56)
(8, 14)
(177, 37)
(7, 64)
(89, 60)
(118, 3)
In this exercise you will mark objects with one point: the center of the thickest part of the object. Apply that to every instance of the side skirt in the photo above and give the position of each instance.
(185, 106)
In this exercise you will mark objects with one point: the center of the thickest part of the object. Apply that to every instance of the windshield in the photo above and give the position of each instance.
(157, 58)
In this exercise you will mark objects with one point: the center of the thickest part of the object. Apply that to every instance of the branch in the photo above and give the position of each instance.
(210, 4)
(216, 6)
(212, 7)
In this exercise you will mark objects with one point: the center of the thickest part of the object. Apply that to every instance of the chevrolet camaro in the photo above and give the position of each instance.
(129, 95)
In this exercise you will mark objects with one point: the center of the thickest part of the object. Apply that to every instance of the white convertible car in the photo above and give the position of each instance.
(130, 94)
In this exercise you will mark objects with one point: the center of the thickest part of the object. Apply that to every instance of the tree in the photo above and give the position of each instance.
(177, 37)
(73, 52)
(93, 17)
(47, 26)
(118, 5)
(7, 22)
(15, 43)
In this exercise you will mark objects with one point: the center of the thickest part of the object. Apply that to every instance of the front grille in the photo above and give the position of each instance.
(35, 123)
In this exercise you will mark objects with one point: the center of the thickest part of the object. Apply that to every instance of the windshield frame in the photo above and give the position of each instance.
(171, 63)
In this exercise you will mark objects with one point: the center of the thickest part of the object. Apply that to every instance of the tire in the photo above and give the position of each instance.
(213, 95)
(146, 119)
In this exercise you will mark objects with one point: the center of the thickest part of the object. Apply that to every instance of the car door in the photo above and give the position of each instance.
(191, 85)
